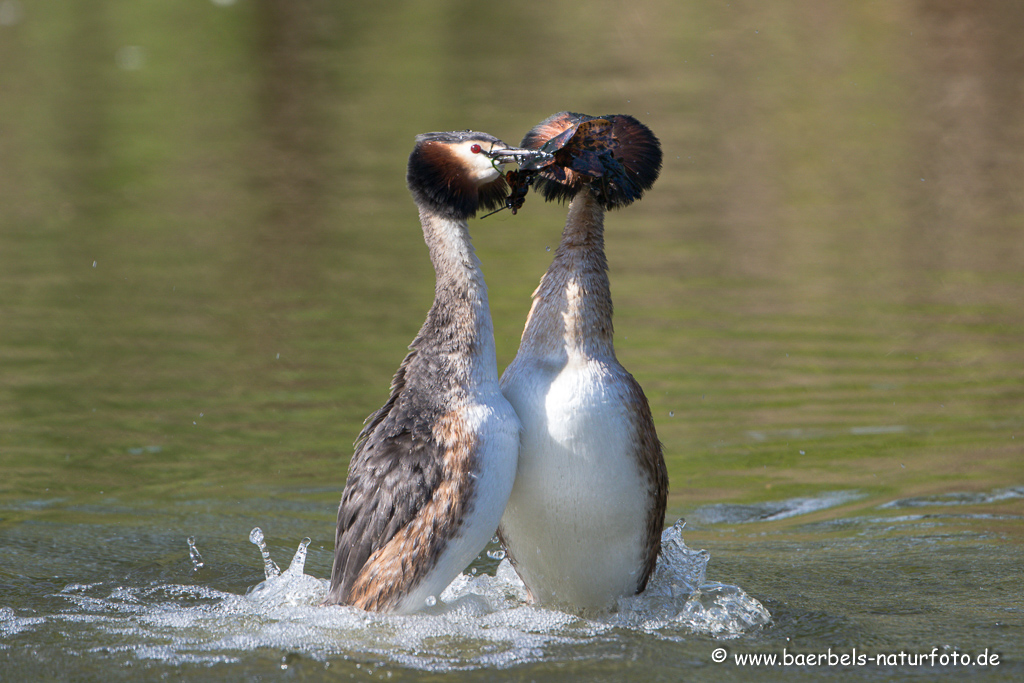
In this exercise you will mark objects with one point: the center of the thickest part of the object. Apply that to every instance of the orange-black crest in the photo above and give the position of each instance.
(616, 155)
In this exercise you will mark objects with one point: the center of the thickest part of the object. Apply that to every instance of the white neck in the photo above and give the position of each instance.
(459, 322)
(572, 307)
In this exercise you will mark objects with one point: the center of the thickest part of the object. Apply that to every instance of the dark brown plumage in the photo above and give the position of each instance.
(615, 155)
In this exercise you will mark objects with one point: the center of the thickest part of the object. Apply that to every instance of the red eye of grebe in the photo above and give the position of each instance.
(476, 149)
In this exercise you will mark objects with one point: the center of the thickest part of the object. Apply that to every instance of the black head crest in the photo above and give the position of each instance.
(618, 157)
(452, 181)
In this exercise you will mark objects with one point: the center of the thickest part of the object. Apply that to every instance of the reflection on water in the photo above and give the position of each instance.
(210, 267)
(959, 498)
(771, 511)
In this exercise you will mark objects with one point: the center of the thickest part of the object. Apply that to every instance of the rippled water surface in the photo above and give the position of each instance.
(210, 267)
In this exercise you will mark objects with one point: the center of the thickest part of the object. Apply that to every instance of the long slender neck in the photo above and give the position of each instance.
(458, 326)
(571, 315)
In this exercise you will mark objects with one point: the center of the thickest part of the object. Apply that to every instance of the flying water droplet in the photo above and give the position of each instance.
(299, 561)
(498, 554)
(269, 568)
(193, 553)
(431, 601)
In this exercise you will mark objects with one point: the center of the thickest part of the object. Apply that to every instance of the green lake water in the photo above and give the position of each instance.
(210, 268)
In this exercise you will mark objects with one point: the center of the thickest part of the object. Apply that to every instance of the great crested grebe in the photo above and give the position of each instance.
(433, 468)
(584, 519)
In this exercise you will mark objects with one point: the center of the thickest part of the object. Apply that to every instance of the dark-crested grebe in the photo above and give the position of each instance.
(433, 468)
(584, 520)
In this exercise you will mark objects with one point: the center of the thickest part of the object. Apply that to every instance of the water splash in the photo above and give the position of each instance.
(269, 568)
(680, 570)
(299, 560)
(679, 596)
(193, 553)
(289, 588)
(479, 621)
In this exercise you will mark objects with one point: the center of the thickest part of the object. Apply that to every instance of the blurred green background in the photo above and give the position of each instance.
(208, 252)
(210, 266)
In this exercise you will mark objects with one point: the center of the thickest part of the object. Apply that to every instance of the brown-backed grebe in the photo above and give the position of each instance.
(584, 520)
(433, 468)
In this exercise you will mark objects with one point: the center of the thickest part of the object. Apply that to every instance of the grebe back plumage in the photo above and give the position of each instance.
(433, 468)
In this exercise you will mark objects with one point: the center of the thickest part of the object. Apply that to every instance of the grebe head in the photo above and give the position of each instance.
(459, 173)
(616, 156)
